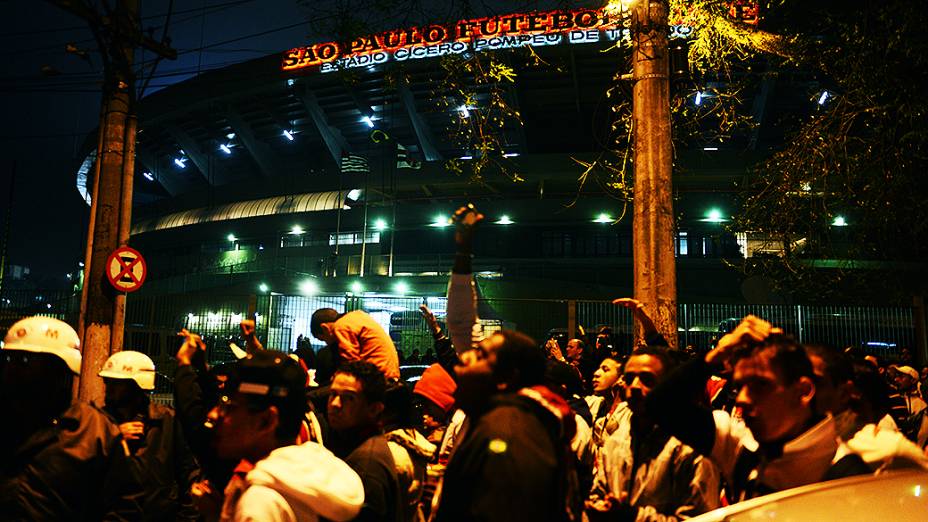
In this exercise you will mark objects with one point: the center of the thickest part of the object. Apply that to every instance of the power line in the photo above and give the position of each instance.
(217, 7)
(205, 10)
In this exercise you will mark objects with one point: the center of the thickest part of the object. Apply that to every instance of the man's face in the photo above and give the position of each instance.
(904, 381)
(236, 427)
(605, 377)
(119, 392)
(574, 349)
(348, 408)
(829, 397)
(326, 335)
(642, 373)
(772, 410)
(475, 378)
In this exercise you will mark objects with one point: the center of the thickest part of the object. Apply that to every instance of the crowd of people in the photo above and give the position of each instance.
(499, 427)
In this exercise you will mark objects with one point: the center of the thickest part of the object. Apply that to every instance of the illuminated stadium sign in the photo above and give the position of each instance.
(479, 34)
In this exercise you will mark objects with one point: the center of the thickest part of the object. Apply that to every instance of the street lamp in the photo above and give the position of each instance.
(263, 287)
(380, 224)
(504, 220)
(231, 238)
(714, 216)
(357, 287)
(309, 287)
(401, 288)
(603, 218)
(839, 222)
(440, 222)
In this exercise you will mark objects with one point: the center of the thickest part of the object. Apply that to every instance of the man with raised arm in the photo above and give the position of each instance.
(512, 459)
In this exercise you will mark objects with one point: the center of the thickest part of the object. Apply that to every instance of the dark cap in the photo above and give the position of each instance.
(270, 374)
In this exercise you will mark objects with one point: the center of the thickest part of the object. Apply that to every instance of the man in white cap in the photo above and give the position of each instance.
(160, 455)
(61, 459)
(906, 381)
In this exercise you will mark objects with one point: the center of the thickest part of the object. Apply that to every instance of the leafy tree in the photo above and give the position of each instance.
(860, 157)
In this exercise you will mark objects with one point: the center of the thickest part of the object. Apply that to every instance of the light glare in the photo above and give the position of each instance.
(309, 287)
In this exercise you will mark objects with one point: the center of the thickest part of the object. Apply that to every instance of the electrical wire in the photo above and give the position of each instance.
(206, 10)
(218, 7)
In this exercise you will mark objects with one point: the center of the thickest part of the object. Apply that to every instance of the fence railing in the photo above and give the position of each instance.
(152, 321)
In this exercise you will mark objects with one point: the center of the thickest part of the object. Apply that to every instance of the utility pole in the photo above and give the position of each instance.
(653, 225)
(102, 316)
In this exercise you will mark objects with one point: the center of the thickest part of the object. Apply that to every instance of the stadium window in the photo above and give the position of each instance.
(682, 243)
(354, 238)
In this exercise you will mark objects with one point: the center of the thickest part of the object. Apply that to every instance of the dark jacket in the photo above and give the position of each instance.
(510, 465)
(165, 465)
(194, 395)
(373, 462)
(74, 469)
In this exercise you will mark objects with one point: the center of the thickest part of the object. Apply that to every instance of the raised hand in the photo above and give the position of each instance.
(638, 310)
(752, 329)
(430, 319)
(191, 345)
(465, 220)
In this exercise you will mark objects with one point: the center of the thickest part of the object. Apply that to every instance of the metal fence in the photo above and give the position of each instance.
(152, 321)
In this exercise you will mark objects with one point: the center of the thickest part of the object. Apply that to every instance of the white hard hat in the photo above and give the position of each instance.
(46, 335)
(131, 365)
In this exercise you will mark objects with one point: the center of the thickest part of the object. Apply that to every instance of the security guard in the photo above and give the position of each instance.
(60, 459)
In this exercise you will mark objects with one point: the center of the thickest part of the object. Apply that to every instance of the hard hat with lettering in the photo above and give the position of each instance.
(131, 365)
(46, 335)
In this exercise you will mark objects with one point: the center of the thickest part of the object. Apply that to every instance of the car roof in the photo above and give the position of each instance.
(900, 496)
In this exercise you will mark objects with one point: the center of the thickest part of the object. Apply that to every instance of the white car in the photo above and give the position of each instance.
(898, 496)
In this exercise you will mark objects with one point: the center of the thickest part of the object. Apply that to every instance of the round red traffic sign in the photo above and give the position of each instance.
(126, 269)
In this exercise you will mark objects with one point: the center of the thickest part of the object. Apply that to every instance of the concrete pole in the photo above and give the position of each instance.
(102, 309)
(653, 225)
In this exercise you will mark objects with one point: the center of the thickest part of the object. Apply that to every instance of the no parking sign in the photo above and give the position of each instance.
(126, 269)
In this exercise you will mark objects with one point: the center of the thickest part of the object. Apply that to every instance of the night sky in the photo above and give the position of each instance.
(47, 117)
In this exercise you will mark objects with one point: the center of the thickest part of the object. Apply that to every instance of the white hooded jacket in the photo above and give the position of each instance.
(300, 483)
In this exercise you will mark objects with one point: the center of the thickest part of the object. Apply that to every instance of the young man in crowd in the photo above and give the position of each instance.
(355, 407)
(512, 460)
(644, 474)
(159, 453)
(62, 459)
(856, 396)
(905, 379)
(356, 336)
(257, 422)
(605, 379)
(784, 442)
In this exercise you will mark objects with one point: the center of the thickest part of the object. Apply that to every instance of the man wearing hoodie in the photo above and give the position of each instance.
(277, 480)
